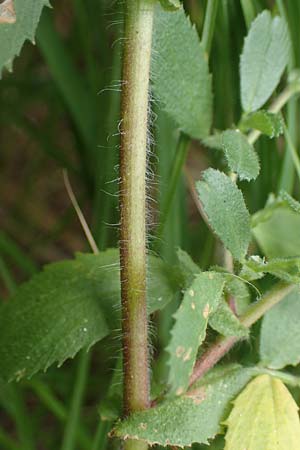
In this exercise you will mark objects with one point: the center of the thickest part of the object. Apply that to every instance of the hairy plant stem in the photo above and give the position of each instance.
(223, 344)
(136, 69)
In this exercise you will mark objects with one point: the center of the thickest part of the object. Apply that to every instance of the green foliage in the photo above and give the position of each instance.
(280, 335)
(224, 205)
(13, 36)
(264, 417)
(225, 322)
(266, 122)
(192, 417)
(278, 234)
(187, 267)
(170, 5)
(199, 302)
(181, 79)
(287, 269)
(240, 155)
(264, 58)
(69, 306)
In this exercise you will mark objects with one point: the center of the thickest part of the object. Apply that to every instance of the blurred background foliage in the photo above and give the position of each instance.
(60, 109)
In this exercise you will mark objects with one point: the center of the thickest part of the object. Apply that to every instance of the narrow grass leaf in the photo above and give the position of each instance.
(263, 60)
(191, 418)
(264, 417)
(281, 348)
(180, 74)
(13, 35)
(199, 302)
(241, 156)
(225, 207)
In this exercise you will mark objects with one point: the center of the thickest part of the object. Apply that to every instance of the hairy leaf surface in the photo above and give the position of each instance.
(199, 302)
(13, 35)
(266, 122)
(192, 417)
(225, 207)
(287, 269)
(70, 305)
(240, 155)
(280, 333)
(263, 60)
(225, 322)
(264, 417)
(180, 75)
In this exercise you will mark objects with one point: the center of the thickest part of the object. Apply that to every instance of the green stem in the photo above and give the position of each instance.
(287, 378)
(209, 24)
(292, 150)
(71, 430)
(223, 344)
(134, 128)
(101, 435)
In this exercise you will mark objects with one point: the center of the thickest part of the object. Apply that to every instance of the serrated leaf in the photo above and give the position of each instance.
(240, 155)
(189, 331)
(214, 141)
(278, 232)
(263, 60)
(287, 269)
(264, 417)
(266, 122)
(225, 207)
(181, 79)
(192, 417)
(225, 322)
(238, 290)
(70, 305)
(170, 5)
(13, 35)
(280, 333)
(290, 201)
(188, 268)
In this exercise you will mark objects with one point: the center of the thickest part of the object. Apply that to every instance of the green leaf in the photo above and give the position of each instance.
(181, 79)
(287, 269)
(264, 417)
(239, 291)
(224, 205)
(263, 60)
(13, 36)
(187, 267)
(70, 305)
(290, 201)
(214, 141)
(277, 232)
(170, 5)
(280, 333)
(189, 331)
(266, 122)
(225, 322)
(192, 417)
(240, 155)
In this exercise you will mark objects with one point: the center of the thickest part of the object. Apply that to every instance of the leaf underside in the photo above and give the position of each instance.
(263, 60)
(264, 417)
